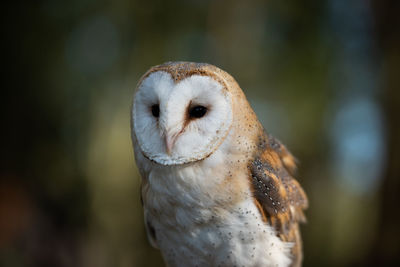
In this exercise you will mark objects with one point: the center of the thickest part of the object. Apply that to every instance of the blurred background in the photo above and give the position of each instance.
(323, 77)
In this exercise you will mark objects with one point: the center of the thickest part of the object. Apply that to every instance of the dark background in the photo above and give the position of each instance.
(323, 76)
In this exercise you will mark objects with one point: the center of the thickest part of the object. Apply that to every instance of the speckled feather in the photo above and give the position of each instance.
(281, 197)
(203, 209)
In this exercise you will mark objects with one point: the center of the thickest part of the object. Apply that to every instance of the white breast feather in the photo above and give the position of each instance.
(192, 229)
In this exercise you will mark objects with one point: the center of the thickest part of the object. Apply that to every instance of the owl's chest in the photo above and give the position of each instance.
(194, 226)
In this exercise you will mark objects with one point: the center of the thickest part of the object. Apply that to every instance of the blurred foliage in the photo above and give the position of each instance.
(321, 75)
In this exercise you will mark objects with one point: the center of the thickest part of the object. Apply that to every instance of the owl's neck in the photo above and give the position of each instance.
(195, 193)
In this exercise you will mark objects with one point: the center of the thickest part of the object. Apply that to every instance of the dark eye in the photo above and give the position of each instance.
(197, 111)
(155, 110)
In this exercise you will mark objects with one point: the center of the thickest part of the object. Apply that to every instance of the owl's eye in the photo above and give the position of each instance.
(197, 111)
(155, 110)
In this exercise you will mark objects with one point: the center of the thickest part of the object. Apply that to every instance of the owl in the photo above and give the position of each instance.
(217, 189)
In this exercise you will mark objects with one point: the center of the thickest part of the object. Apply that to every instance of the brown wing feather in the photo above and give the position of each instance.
(281, 197)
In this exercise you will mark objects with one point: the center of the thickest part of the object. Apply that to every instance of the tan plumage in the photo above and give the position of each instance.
(241, 164)
(281, 197)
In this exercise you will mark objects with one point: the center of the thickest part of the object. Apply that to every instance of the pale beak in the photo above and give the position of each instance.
(170, 142)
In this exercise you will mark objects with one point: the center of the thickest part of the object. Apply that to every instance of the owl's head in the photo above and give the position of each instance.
(181, 112)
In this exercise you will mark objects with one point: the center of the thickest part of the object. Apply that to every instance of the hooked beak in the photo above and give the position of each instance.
(170, 140)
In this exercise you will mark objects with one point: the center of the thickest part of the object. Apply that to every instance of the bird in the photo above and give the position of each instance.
(216, 188)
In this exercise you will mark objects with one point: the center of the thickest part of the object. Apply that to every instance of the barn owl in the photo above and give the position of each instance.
(217, 190)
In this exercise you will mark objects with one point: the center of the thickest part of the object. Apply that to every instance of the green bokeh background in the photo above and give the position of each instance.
(321, 75)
